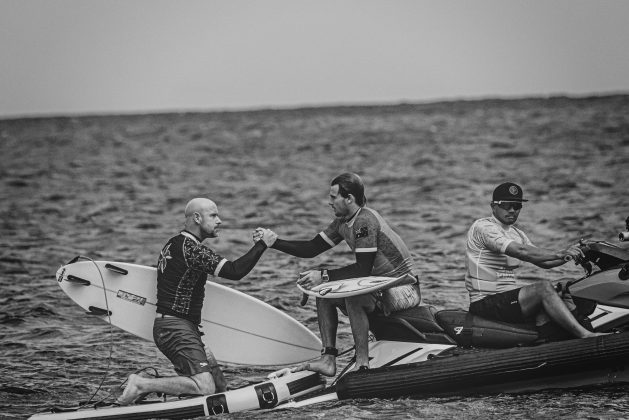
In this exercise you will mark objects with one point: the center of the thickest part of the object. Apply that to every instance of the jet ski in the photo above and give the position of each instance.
(422, 352)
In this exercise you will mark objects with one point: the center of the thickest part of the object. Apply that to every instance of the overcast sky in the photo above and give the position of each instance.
(106, 56)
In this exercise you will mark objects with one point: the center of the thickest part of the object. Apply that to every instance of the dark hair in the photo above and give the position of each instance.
(350, 183)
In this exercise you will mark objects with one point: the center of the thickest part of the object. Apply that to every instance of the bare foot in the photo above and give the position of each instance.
(131, 392)
(325, 365)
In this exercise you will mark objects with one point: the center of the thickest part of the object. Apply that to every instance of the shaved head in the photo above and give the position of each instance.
(202, 218)
(198, 205)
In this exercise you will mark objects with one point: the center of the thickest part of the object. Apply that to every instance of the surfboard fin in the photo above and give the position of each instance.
(77, 280)
(304, 299)
(94, 310)
(115, 269)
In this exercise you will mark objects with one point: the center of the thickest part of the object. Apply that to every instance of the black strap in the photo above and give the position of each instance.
(330, 350)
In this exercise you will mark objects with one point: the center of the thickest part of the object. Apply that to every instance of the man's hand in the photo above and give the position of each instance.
(309, 279)
(572, 253)
(265, 235)
(257, 234)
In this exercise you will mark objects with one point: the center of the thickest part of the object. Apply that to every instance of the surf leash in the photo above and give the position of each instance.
(111, 334)
(102, 402)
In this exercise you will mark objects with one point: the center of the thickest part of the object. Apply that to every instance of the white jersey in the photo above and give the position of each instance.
(488, 269)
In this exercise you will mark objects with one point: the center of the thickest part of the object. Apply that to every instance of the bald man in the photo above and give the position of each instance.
(182, 268)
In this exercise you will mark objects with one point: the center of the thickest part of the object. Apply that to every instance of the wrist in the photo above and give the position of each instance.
(269, 241)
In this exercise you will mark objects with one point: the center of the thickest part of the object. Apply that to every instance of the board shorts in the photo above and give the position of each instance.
(503, 307)
(180, 341)
(391, 300)
(400, 298)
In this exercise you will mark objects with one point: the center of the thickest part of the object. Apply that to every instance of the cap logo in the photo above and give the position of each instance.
(513, 190)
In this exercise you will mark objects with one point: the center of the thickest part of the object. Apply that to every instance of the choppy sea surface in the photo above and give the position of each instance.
(114, 187)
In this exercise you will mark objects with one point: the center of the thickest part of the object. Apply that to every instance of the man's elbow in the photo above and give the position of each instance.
(520, 252)
(230, 274)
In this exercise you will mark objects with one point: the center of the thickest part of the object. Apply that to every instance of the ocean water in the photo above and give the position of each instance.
(114, 187)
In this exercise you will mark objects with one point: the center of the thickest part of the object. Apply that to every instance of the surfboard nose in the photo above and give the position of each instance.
(60, 272)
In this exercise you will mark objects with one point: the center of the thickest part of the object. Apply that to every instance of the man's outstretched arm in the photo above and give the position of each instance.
(541, 257)
(236, 270)
(302, 249)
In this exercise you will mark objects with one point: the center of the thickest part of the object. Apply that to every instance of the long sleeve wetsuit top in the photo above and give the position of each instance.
(182, 270)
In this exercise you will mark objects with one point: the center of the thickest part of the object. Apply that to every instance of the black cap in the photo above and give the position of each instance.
(508, 191)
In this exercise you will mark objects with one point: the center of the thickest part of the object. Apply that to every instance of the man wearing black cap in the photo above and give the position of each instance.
(495, 248)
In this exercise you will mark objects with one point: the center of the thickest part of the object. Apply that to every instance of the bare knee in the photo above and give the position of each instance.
(545, 288)
(532, 297)
(205, 383)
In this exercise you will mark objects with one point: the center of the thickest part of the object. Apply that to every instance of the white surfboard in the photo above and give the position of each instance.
(237, 328)
(356, 286)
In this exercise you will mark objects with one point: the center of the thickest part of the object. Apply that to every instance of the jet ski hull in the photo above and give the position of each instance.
(456, 371)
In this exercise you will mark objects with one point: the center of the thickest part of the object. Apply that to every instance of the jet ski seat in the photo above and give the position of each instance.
(470, 330)
(416, 324)
(425, 324)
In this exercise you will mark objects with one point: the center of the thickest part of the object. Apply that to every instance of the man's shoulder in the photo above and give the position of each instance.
(484, 227)
(369, 215)
(188, 242)
(523, 236)
(483, 222)
(174, 239)
(518, 229)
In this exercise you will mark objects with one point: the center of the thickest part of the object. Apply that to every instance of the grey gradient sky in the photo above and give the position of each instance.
(106, 56)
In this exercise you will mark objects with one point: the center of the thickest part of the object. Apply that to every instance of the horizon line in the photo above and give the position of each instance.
(307, 106)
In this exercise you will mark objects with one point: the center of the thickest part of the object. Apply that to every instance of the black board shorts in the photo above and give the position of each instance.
(503, 307)
(180, 341)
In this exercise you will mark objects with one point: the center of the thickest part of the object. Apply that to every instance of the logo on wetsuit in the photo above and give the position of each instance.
(164, 256)
(362, 232)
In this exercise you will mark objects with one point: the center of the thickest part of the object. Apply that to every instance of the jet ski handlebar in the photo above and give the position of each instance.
(602, 254)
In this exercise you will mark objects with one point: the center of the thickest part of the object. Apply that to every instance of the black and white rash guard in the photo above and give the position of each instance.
(182, 269)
